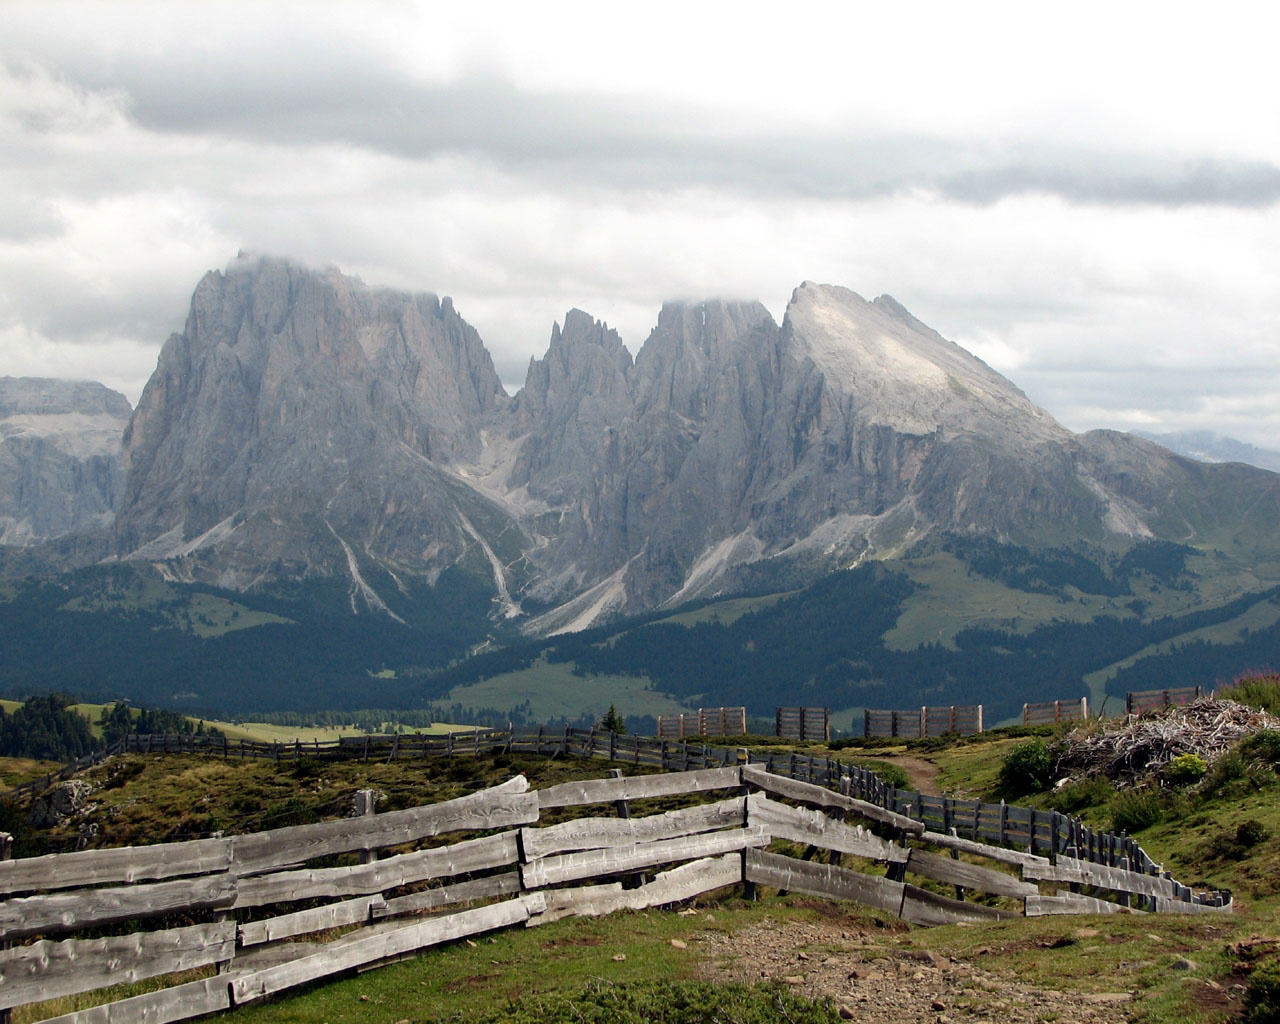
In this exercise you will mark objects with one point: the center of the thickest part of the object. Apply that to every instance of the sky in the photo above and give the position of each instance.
(1087, 196)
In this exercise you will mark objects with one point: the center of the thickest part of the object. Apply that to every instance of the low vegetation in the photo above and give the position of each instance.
(1218, 828)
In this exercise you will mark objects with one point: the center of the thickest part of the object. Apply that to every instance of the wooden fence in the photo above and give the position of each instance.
(705, 722)
(803, 723)
(26, 789)
(924, 721)
(1051, 712)
(1041, 832)
(1151, 700)
(251, 899)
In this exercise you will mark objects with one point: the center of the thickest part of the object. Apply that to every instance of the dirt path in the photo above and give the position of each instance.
(923, 774)
(875, 979)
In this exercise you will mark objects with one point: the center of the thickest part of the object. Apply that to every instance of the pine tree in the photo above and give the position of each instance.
(613, 722)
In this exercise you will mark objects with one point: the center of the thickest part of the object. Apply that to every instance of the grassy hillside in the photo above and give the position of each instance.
(1078, 968)
(957, 621)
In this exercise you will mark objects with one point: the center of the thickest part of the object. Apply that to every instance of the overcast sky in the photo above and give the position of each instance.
(1086, 196)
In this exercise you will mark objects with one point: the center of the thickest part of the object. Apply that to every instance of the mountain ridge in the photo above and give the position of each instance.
(304, 425)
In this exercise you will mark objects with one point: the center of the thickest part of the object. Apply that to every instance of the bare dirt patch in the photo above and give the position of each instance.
(875, 979)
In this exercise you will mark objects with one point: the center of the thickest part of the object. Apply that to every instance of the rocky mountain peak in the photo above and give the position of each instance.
(304, 418)
(899, 373)
(60, 457)
(47, 396)
(305, 424)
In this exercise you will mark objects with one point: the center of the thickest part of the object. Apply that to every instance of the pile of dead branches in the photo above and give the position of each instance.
(1140, 746)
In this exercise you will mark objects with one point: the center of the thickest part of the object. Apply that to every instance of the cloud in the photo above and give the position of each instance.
(1098, 219)
(346, 97)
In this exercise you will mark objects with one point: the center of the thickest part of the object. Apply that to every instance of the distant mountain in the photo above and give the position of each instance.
(311, 448)
(60, 457)
(304, 425)
(1206, 446)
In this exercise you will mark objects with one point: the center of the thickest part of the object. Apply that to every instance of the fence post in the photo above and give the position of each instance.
(365, 800)
(6, 851)
(620, 806)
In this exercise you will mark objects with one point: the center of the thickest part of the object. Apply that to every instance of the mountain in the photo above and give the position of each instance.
(303, 425)
(1206, 446)
(60, 457)
(312, 452)
(306, 426)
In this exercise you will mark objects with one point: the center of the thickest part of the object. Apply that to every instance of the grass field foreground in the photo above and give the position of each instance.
(1169, 968)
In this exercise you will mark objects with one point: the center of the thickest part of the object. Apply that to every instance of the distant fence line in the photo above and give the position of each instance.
(524, 875)
(919, 723)
(703, 722)
(1041, 832)
(1151, 700)
(803, 723)
(1051, 712)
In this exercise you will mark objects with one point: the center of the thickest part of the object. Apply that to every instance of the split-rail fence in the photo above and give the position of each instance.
(263, 909)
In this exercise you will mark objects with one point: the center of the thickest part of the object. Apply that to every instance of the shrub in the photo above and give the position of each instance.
(1026, 769)
(1250, 833)
(1224, 771)
(1263, 746)
(1262, 998)
(890, 774)
(1260, 690)
(1081, 794)
(1136, 809)
(1186, 769)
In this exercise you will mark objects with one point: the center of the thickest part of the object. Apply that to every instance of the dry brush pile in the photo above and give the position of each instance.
(1142, 746)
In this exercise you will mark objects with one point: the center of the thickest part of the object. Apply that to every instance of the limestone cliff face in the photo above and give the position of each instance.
(303, 424)
(60, 457)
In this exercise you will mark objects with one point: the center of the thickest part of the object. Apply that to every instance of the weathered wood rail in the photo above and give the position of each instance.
(516, 870)
(1039, 832)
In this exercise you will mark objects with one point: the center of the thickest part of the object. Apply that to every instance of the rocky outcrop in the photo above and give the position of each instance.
(60, 457)
(303, 424)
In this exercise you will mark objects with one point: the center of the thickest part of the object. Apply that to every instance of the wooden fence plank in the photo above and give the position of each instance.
(1164, 906)
(127, 864)
(971, 876)
(418, 935)
(638, 787)
(1072, 903)
(996, 853)
(361, 879)
(810, 825)
(681, 883)
(920, 906)
(47, 970)
(824, 880)
(168, 1005)
(806, 792)
(498, 807)
(593, 833)
(1069, 869)
(284, 926)
(609, 861)
(64, 912)
(505, 884)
